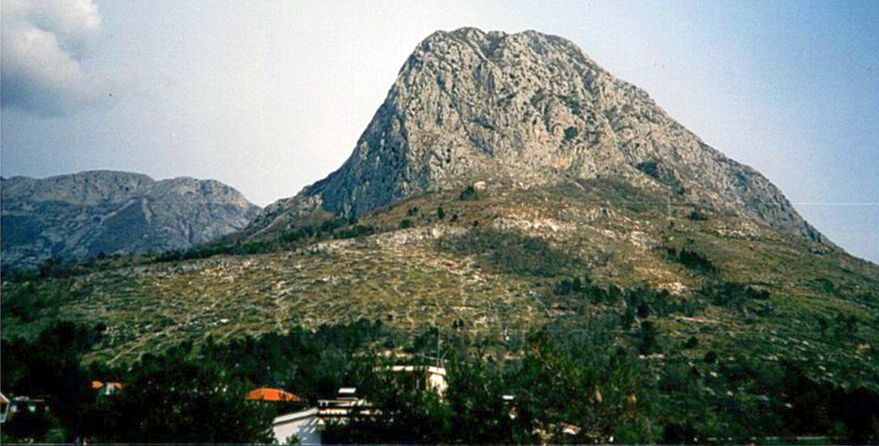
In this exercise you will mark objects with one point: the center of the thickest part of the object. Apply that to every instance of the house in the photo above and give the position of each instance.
(432, 377)
(306, 426)
(272, 394)
(4, 407)
(24, 404)
(343, 405)
(510, 404)
(570, 429)
(106, 389)
(547, 433)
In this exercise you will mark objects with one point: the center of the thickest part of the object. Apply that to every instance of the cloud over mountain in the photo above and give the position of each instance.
(43, 46)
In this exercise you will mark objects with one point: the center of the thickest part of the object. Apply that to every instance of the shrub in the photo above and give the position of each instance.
(331, 225)
(710, 357)
(735, 296)
(697, 215)
(469, 193)
(647, 338)
(355, 231)
(691, 260)
(512, 252)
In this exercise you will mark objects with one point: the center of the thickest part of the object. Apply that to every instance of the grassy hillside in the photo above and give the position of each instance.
(735, 329)
(493, 264)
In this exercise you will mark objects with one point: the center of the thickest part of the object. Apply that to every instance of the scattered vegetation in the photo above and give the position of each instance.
(333, 228)
(736, 296)
(697, 215)
(574, 105)
(469, 193)
(692, 260)
(511, 252)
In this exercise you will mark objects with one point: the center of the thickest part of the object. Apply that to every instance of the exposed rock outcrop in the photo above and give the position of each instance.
(524, 109)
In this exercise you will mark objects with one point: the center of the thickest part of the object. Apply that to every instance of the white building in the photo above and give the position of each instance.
(432, 377)
(306, 425)
(4, 407)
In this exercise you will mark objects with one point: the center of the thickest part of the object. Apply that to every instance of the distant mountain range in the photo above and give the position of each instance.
(92, 213)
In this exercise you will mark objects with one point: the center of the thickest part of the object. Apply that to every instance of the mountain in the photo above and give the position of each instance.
(523, 110)
(106, 212)
(508, 191)
(509, 184)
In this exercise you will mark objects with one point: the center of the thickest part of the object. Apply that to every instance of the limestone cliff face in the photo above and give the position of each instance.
(84, 214)
(520, 110)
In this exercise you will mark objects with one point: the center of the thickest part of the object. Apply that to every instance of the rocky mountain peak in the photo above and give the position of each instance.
(521, 110)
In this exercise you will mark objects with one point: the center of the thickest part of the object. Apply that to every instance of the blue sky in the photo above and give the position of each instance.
(271, 96)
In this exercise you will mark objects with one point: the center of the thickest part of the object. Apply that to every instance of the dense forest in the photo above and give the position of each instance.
(599, 380)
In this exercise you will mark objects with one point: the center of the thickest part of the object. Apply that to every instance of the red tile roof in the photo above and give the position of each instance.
(270, 394)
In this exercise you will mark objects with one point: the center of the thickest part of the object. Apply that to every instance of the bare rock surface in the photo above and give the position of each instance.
(524, 109)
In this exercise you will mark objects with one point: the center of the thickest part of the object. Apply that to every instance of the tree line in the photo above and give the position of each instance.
(562, 386)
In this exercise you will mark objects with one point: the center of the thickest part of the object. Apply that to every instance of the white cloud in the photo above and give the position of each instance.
(43, 45)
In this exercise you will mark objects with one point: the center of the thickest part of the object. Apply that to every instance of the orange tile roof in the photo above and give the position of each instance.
(270, 394)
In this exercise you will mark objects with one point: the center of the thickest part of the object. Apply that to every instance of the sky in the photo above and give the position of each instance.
(271, 96)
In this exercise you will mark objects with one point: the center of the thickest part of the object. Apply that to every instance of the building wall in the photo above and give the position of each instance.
(304, 425)
(437, 383)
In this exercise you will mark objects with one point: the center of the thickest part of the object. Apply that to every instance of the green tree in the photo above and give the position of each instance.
(207, 405)
(400, 411)
(49, 367)
(475, 397)
(647, 338)
(576, 379)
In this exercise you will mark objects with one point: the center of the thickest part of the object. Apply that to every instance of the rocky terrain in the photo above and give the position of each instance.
(520, 110)
(104, 213)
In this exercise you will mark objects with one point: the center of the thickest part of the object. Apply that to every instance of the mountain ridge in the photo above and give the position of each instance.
(84, 214)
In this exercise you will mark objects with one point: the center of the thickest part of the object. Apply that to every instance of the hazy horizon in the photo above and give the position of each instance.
(270, 97)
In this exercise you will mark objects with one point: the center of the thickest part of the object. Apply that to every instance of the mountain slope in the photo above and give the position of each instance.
(498, 263)
(85, 214)
(520, 110)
